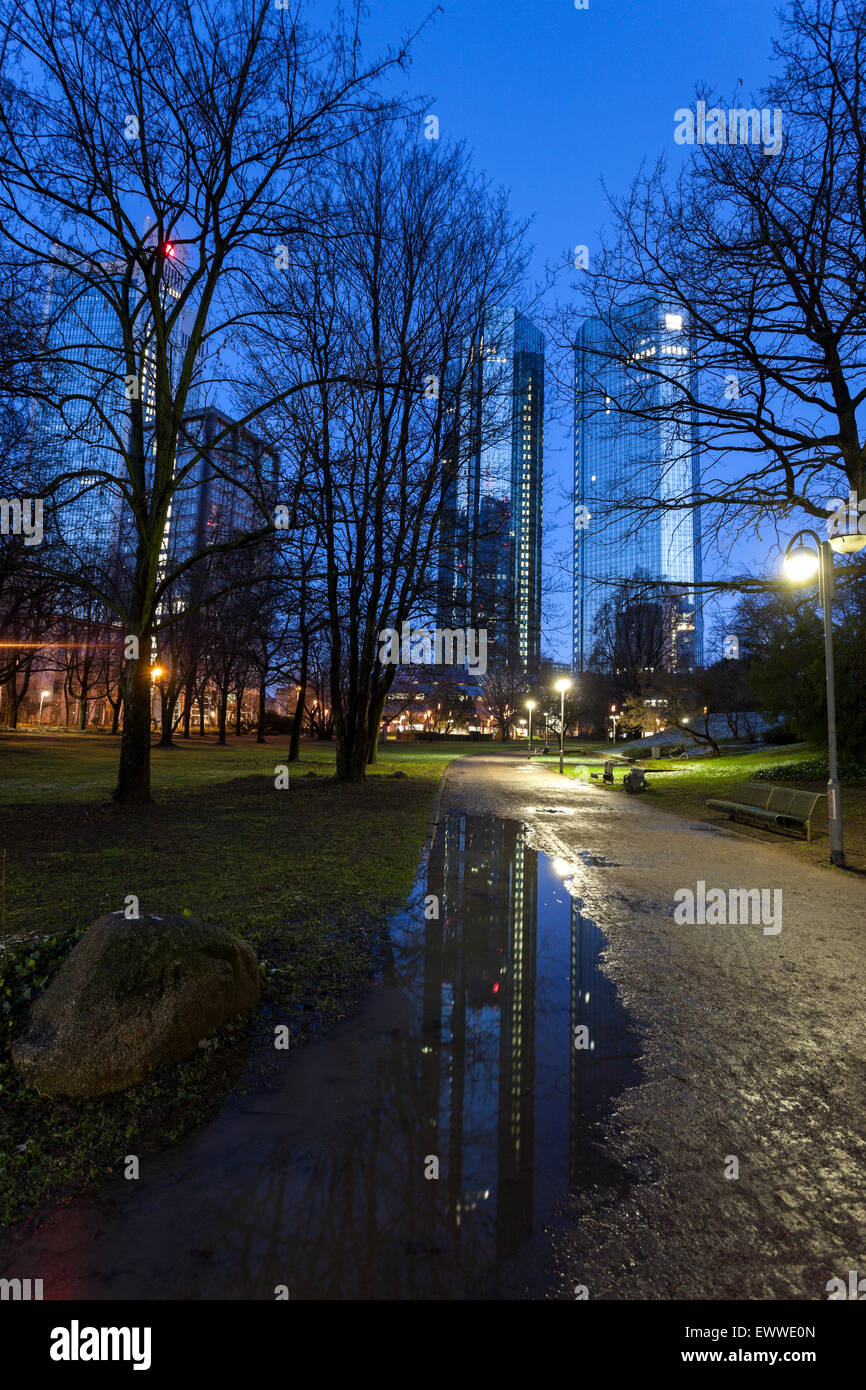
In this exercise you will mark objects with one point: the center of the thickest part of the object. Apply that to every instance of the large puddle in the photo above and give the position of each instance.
(462, 1062)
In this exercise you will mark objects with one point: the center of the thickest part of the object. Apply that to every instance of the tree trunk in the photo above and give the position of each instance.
(705, 737)
(115, 714)
(298, 722)
(133, 774)
(374, 723)
(201, 713)
(352, 746)
(17, 696)
(187, 709)
(345, 751)
(712, 741)
(260, 729)
(167, 707)
(239, 698)
(222, 714)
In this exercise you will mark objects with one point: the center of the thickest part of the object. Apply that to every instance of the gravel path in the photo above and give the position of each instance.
(754, 1050)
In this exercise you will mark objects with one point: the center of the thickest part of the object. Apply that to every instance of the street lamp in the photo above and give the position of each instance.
(45, 695)
(614, 719)
(800, 564)
(562, 686)
(530, 705)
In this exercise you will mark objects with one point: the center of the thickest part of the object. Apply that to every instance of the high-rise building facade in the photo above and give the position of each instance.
(228, 475)
(633, 440)
(490, 552)
(81, 427)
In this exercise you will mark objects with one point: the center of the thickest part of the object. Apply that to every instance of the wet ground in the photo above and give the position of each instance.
(728, 1162)
(753, 1049)
(420, 1150)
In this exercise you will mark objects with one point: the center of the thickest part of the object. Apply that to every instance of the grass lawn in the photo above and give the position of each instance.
(684, 786)
(306, 875)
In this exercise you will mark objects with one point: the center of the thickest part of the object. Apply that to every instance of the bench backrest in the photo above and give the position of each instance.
(790, 802)
(754, 794)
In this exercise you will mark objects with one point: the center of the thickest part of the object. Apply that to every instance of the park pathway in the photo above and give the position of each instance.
(754, 1049)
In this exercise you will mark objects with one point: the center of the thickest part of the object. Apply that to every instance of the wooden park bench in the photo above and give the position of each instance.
(780, 808)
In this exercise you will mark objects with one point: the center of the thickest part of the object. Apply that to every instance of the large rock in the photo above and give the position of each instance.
(131, 994)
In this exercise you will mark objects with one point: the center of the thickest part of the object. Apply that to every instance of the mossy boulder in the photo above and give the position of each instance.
(129, 995)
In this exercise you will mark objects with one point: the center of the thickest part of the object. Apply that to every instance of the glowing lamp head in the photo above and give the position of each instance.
(801, 564)
(563, 685)
(155, 673)
(848, 545)
(530, 704)
(45, 694)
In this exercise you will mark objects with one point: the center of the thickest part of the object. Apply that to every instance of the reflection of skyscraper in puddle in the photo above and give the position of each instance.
(479, 1000)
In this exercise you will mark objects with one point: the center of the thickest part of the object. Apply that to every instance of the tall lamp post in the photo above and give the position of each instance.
(530, 705)
(800, 564)
(44, 696)
(562, 686)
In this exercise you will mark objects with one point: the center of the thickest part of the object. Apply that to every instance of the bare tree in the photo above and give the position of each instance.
(212, 120)
(505, 685)
(389, 310)
(633, 635)
(753, 259)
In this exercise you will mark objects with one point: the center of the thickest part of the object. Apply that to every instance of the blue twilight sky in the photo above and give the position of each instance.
(552, 99)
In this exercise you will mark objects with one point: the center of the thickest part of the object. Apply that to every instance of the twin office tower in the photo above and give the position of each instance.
(637, 542)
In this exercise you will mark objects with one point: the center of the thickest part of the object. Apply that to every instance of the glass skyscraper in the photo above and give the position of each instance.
(230, 476)
(649, 454)
(81, 427)
(490, 552)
